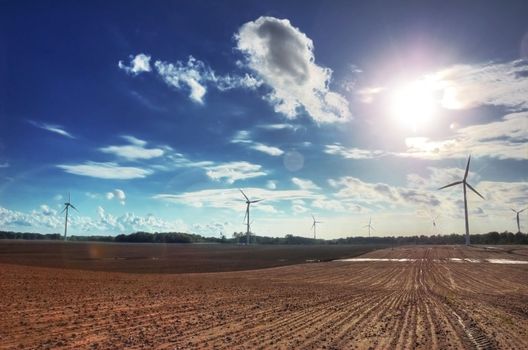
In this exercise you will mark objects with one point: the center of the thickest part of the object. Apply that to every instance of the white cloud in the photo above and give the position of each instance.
(278, 126)
(105, 170)
(57, 129)
(194, 76)
(504, 139)
(357, 191)
(118, 194)
(352, 153)
(498, 84)
(134, 151)
(271, 184)
(305, 184)
(138, 64)
(232, 199)
(243, 137)
(282, 57)
(234, 171)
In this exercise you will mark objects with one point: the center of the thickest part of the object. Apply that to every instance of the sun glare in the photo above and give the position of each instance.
(413, 105)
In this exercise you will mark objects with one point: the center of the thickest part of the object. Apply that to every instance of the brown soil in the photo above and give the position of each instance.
(431, 303)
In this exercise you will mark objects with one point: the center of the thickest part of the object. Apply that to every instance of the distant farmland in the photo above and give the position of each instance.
(168, 258)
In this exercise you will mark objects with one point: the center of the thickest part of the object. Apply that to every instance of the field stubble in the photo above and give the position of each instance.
(428, 303)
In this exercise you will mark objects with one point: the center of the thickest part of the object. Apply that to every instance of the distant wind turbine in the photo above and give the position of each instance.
(67, 205)
(433, 219)
(465, 184)
(246, 217)
(314, 225)
(518, 221)
(370, 227)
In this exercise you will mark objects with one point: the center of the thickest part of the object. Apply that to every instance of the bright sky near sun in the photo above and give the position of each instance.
(153, 115)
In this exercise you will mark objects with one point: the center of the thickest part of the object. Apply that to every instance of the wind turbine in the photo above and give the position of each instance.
(518, 222)
(433, 219)
(246, 217)
(67, 206)
(369, 225)
(465, 184)
(314, 225)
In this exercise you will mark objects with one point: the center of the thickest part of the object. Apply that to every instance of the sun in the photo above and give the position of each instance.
(413, 105)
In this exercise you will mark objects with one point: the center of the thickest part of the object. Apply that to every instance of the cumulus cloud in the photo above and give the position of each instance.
(57, 129)
(106, 170)
(133, 151)
(282, 57)
(138, 64)
(118, 195)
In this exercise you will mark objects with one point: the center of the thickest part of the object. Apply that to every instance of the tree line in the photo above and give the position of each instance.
(240, 238)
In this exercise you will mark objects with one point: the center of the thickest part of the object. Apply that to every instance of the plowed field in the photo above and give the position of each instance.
(428, 303)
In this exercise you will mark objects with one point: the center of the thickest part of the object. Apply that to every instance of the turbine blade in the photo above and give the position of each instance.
(467, 168)
(71, 205)
(453, 184)
(256, 201)
(313, 217)
(63, 210)
(69, 198)
(245, 216)
(515, 211)
(474, 190)
(243, 194)
(523, 210)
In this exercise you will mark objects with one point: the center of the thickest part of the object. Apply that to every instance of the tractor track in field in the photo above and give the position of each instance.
(426, 303)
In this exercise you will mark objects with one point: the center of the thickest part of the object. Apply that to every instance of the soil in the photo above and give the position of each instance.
(430, 303)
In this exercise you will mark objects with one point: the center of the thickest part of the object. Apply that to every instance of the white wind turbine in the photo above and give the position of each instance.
(465, 184)
(67, 206)
(517, 216)
(246, 217)
(314, 225)
(370, 227)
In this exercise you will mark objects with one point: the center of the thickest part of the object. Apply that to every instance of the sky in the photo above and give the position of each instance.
(152, 115)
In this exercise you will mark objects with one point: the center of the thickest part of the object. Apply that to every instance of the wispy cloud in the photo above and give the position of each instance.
(504, 139)
(138, 64)
(57, 129)
(305, 184)
(193, 76)
(107, 170)
(134, 151)
(497, 84)
(352, 153)
(4, 165)
(282, 57)
(234, 171)
(232, 199)
(244, 137)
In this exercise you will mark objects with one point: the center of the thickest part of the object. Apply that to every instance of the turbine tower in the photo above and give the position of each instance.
(518, 221)
(369, 225)
(246, 217)
(465, 184)
(314, 225)
(67, 206)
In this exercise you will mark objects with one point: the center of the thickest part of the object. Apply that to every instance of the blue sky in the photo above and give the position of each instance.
(153, 115)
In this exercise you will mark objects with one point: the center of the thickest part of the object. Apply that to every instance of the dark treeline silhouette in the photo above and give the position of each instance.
(239, 237)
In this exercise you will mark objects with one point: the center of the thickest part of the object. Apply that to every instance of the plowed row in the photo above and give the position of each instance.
(430, 303)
